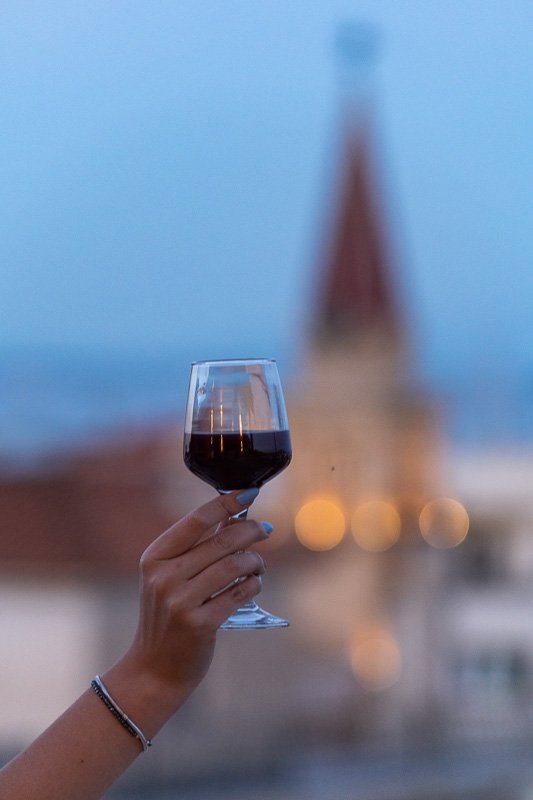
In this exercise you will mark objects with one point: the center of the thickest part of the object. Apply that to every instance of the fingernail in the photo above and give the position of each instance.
(246, 497)
(268, 527)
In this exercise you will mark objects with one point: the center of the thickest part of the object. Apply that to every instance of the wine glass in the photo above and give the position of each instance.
(237, 437)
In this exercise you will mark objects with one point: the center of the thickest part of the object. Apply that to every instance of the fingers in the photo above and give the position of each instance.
(219, 608)
(204, 602)
(223, 574)
(185, 533)
(227, 539)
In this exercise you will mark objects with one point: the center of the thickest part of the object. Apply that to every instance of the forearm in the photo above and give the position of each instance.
(87, 749)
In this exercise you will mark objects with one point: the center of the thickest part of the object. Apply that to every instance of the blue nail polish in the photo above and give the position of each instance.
(268, 527)
(246, 497)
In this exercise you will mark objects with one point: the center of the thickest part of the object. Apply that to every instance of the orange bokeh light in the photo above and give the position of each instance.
(375, 658)
(376, 525)
(444, 522)
(320, 523)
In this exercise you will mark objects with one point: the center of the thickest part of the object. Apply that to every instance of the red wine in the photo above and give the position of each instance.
(237, 461)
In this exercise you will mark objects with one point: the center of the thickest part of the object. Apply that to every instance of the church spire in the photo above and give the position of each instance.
(356, 294)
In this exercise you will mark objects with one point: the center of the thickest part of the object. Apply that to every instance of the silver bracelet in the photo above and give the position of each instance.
(118, 713)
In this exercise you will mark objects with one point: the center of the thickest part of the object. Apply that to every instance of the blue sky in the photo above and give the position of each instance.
(164, 168)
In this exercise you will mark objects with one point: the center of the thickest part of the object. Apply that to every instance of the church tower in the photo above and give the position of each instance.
(365, 448)
(359, 424)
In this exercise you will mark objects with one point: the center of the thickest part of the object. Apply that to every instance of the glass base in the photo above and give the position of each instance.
(251, 616)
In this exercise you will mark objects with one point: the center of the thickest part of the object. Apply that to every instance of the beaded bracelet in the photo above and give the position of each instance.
(118, 713)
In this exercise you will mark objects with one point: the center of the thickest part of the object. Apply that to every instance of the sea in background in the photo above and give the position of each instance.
(57, 399)
(54, 399)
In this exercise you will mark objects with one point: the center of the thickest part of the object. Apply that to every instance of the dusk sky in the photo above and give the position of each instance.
(165, 168)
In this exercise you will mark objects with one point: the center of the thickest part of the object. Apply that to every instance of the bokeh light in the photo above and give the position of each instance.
(444, 522)
(376, 525)
(320, 524)
(375, 658)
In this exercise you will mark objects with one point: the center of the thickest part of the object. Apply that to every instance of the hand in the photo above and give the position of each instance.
(189, 587)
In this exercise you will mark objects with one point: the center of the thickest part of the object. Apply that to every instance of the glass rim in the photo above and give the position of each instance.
(230, 361)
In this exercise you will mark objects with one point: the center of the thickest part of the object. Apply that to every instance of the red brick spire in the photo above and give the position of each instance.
(356, 294)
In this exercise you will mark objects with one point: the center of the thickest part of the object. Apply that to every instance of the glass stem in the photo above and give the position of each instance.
(251, 604)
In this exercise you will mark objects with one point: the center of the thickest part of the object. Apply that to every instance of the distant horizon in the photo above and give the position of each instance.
(55, 400)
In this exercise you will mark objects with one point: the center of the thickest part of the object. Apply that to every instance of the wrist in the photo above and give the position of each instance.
(148, 699)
